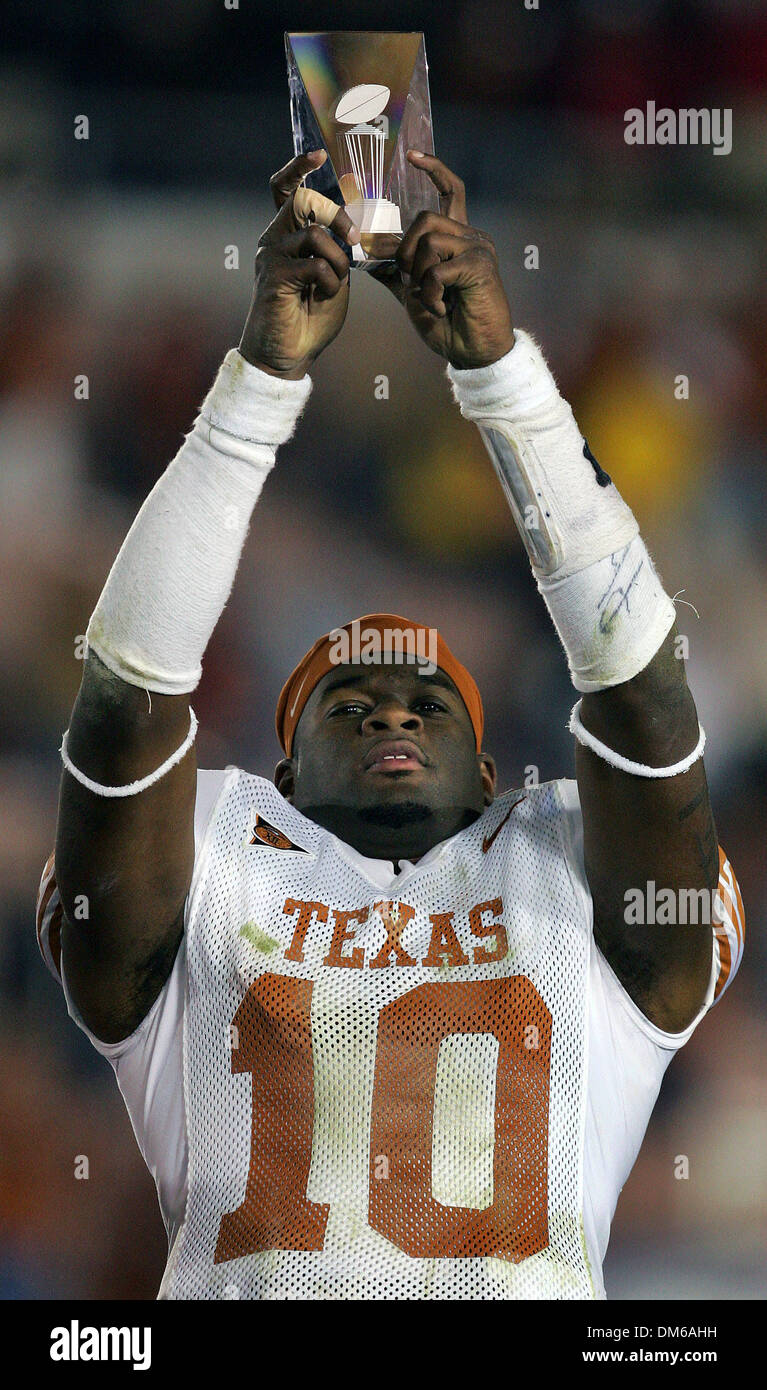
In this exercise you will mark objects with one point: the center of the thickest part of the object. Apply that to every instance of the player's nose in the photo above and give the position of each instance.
(391, 715)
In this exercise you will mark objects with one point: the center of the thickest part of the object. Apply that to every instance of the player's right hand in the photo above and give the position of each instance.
(301, 290)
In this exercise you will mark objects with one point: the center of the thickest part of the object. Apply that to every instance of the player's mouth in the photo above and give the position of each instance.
(394, 755)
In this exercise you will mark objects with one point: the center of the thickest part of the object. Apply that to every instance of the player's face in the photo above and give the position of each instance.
(386, 758)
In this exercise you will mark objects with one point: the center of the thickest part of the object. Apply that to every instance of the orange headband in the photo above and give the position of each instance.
(318, 661)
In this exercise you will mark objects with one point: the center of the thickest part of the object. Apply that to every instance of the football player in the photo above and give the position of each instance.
(383, 1034)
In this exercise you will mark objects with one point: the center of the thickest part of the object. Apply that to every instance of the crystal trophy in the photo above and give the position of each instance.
(364, 97)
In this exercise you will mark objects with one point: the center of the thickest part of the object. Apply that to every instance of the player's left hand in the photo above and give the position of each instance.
(446, 275)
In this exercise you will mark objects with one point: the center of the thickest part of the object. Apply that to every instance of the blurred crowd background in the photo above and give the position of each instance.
(112, 265)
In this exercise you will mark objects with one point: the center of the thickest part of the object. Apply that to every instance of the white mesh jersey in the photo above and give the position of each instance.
(362, 1084)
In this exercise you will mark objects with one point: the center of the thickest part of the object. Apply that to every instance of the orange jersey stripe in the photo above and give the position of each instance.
(738, 914)
(725, 962)
(730, 928)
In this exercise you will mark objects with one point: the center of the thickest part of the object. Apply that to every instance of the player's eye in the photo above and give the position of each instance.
(429, 704)
(349, 707)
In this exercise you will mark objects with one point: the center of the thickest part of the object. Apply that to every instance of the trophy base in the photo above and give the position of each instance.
(379, 226)
(380, 246)
(374, 215)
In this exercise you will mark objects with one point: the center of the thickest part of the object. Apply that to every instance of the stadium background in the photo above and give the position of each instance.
(112, 263)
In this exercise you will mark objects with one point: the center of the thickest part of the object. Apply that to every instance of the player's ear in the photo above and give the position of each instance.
(489, 774)
(284, 778)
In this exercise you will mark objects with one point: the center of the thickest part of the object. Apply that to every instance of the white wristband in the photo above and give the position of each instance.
(625, 764)
(131, 788)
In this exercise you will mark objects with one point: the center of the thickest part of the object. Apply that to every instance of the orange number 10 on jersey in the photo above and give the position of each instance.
(275, 1045)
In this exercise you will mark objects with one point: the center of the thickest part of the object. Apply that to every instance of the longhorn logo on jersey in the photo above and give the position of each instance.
(266, 834)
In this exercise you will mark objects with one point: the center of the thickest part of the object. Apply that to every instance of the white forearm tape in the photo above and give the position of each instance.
(175, 570)
(590, 563)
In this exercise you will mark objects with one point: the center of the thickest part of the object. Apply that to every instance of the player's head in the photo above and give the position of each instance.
(382, 730)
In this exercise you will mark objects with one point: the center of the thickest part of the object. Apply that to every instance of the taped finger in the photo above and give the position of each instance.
(310, 206)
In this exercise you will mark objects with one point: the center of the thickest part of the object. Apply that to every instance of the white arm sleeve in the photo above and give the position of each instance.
(175, 570)
(591, 565)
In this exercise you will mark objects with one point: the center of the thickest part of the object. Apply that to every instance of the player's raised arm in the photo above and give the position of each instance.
(125, 843)
(648, 826)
